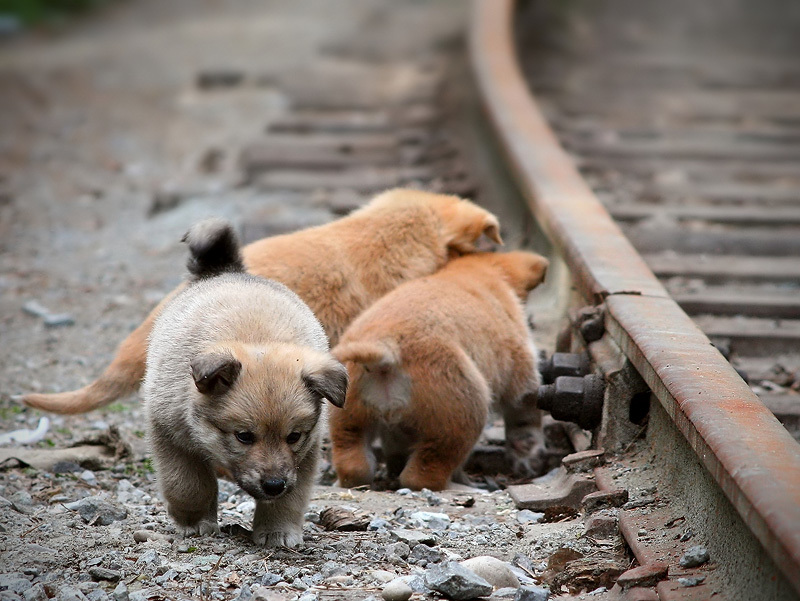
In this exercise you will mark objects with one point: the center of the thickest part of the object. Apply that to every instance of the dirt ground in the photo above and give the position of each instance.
(100, 121)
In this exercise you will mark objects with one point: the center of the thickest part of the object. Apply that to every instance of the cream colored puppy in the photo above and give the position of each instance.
(427, 361)
(338, 269)
(238, 370)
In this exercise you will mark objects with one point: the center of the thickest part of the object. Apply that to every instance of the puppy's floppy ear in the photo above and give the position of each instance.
(465, 222)
(215, 372)
(327, 379)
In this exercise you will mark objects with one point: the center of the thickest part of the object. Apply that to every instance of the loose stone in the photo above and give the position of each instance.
(691, 581)
(454, 581)
(412, 537)
(397, 590)
(532, 593)
(97, 573)
(96, 511)
(495, 572)
(120, 592)
(526, 516)
(694, 556)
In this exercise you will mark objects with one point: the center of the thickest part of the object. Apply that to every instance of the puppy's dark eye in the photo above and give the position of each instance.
(245, 437)
(293, 437)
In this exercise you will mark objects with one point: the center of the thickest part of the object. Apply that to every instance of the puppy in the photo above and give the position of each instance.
(427, 361)
(238, 369)
(338, 269)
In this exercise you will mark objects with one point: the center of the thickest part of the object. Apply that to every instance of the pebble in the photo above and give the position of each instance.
(14, 582)
(526, 516)
(397, 590)
(691, 581)
(97, 511)
(454, 581)
(120, 593)
(399, 549)
(262, 593)
(412, 537)
(378, 524)
(270, 579)
(88, 477)
(150, 558)
(417, 583)
(128, 493)
(532, 593)
(694, 556)
(383, 576)
(70, 593)
(36, 593)
(434, 521)
(51, 320)
(495, 572)
(508, 592)
(98, 573)
(431, 497)
(146, 594)
(21, 497)
(245, 594)
(424, 555)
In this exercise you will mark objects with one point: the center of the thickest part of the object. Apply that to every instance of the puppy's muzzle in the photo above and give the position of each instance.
(273, 487)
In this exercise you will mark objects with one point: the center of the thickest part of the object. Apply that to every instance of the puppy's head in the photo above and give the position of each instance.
(463, 223)
(522, 270)
(258, 411)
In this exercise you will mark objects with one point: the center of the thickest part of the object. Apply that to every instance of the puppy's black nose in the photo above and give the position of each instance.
(273, 486)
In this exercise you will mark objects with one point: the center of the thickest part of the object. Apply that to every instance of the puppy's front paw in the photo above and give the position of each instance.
(201, 528)
(278, 538)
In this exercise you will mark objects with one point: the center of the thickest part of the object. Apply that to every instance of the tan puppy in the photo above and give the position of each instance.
(339, 269)
(237, 372)
(427, 361)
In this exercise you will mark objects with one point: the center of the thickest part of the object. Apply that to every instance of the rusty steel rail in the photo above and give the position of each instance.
(751, 457)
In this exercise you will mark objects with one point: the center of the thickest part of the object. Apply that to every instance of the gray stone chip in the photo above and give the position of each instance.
(454, 581)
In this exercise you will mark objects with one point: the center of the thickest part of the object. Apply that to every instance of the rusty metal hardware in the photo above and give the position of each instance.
(564, 364)
(574, 399)
(591, 323)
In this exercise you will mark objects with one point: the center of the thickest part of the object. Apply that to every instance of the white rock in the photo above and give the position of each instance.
(383, 576)
(497, 573)
(397, 590)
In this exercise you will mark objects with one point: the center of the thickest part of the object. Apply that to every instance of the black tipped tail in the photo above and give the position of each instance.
(214, 249)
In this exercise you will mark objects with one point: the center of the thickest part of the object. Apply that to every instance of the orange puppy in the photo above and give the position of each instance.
(427, 361)
(338, 269)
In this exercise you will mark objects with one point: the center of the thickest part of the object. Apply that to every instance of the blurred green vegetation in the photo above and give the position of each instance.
(30, 12)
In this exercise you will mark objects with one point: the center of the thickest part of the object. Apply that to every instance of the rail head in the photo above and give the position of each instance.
(753, 459)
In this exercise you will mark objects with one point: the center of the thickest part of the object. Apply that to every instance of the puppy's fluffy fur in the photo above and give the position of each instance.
(237, 372)
(338, 269)
(426, 362)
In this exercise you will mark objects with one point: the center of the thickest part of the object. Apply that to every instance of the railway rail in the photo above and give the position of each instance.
(705, 414)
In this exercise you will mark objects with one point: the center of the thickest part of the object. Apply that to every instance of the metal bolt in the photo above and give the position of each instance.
(574, 399)
(564, 364)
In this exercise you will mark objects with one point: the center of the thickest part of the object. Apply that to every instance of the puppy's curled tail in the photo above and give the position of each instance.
(382, 385)
(214, 249)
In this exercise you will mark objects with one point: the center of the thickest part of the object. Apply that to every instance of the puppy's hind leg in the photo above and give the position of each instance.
(451, 411)
(189, 487)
